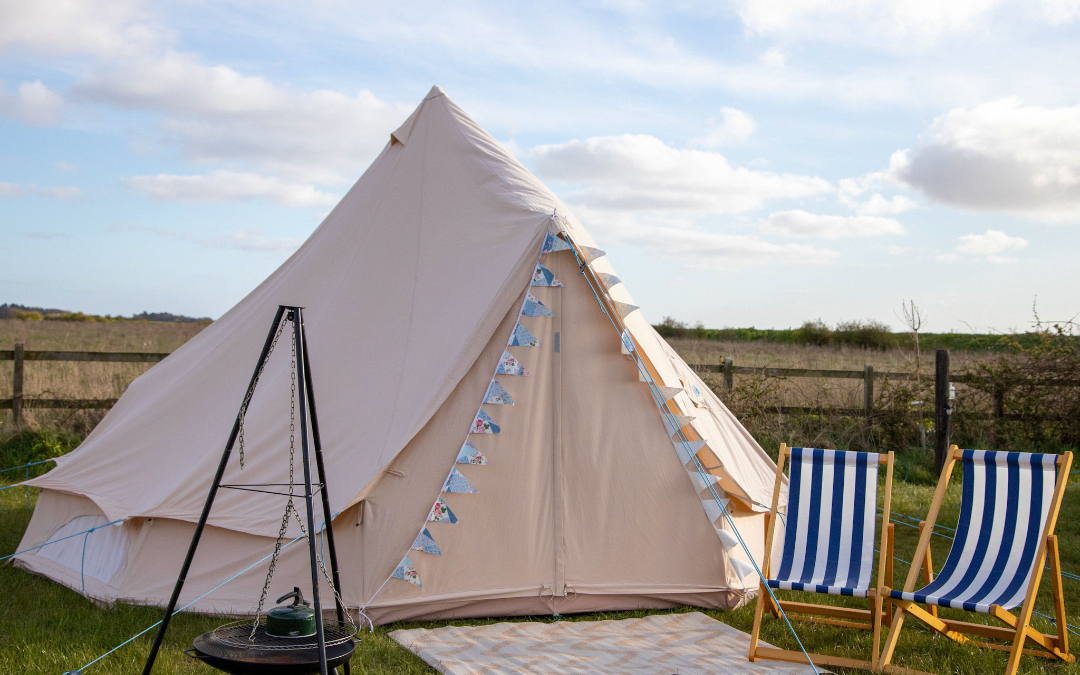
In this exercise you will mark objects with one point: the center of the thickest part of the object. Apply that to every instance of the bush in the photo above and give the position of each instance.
(34, 446)
(869, 334)
(27, 316)
(814, 333)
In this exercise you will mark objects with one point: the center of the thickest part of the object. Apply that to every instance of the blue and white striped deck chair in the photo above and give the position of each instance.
(1008, 509)
(829, 542)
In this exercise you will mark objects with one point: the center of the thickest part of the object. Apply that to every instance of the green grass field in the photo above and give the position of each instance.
(47, 629)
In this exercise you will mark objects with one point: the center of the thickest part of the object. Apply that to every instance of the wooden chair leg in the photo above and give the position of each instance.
(877, 633)
(928, 568)
(763, 593)
(1058, 591)
(890, 641)
(889, 572)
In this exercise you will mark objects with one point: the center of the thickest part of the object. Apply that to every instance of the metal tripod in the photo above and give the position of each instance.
(307, 402)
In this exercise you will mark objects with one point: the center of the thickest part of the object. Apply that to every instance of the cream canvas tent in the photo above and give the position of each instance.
(443, 284)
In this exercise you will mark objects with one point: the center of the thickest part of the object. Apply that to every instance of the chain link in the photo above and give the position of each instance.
(251, 390)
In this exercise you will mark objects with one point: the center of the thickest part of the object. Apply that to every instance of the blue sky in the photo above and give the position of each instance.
(755, 162)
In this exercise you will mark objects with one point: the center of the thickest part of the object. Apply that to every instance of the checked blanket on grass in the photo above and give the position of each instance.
(665, 644)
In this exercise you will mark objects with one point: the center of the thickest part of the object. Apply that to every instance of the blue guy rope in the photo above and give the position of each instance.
(662, 404)
(34, 548)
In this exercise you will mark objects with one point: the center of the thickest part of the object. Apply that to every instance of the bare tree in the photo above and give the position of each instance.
(913, 319)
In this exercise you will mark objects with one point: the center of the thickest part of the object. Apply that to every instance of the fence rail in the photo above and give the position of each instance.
(727, 368)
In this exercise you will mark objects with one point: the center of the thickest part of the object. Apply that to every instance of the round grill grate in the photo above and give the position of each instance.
(238, 635)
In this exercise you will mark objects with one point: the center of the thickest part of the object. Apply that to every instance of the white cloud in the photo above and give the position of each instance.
(695, 246)
(878, 205)
(799, 223)
(735, 128)
(54, 192)
(640, 172)
(33, 103)
(66, 167)
(220, 186)
(993, 242)
(1001, 156)
(65, 193)
(252, 240)
(218, 115)
(99, 28)
(11, 190)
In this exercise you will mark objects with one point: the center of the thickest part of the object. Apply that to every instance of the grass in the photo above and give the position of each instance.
(48, 629)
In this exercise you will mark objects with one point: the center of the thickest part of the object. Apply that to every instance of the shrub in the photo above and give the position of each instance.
(27, 316)
(869, 334)
(814, 333)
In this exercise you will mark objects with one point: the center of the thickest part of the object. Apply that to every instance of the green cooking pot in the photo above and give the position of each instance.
(294, 620)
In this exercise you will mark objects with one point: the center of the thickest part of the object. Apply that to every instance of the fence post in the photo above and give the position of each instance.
(942, 409)
(868, 391)
(17, 388)
(729, 375)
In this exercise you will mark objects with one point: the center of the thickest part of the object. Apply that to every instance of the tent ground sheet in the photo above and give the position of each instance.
(665, 644)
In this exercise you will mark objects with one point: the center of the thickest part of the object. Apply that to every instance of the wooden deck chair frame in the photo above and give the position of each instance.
(867, 619)
(1016, 630)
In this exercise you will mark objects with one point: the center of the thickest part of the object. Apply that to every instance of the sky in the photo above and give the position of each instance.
(744, 163)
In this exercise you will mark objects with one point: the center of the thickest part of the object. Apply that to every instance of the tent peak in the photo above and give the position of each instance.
(436, 90)
(401, 134)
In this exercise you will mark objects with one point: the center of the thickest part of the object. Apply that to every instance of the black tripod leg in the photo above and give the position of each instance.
(209, 502)
(329, 530)
(298, 328)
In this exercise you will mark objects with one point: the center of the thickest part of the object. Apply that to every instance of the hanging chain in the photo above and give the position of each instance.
(290, 507)
(251, 390)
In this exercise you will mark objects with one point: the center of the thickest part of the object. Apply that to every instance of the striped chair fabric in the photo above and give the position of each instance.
(831, 519)
(1006, 500)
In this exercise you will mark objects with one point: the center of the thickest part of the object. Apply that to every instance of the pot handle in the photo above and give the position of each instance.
(193, 654)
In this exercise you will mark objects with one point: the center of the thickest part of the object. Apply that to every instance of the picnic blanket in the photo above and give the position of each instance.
(664, 644)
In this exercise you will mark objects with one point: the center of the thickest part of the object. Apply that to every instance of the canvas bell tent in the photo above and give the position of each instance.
(504, 433)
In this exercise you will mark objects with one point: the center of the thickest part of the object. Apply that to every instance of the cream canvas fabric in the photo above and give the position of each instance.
(412, 289)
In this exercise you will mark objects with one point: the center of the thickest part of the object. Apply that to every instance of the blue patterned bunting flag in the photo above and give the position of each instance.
(553, 243)
(534, 307)
(470, 455)
(484, 424)
(441, 513)
(544, 277)
(508, 365)
(608, 279)
(590, 254)
(406, 572)
(628, 342)
(425, 543)
(496, 394)
(523, 338)
(458, 484)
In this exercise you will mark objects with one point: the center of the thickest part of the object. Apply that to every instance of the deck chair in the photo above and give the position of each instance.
(1008, 510)
(828, 545)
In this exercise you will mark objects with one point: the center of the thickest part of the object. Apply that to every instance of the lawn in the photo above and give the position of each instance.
(48, 629)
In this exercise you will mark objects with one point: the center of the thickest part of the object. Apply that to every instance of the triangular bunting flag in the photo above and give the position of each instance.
(523, 338)
(425, 543)
(679, 422)
(406, 572)
(742, 568)
(623, 308)
(458, 484)
(608, 280)
(644, 376)
(484, 424)
(627, 342)
(686, 453)
(712, 509)
(534, 307)
(441, 513)
(470, 455)
(727, 539)
(669, 392)
(553, 243)
(590, 254)
(496, 394)
(508, 365)
(699, 482)
(542, 276)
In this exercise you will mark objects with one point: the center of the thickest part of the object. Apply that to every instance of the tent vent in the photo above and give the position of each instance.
(396, 472)
(556, 343)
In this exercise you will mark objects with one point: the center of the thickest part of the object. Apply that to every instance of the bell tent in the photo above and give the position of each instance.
(503, 432)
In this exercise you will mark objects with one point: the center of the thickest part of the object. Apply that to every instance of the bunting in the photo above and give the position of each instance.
(590, 254)
(627, 342)
(441, 513)
(687, 453)
(458, 484)
(496, 394)
(523, 338)
(407, 572)
(623, 308)
(542, 276)
(508, 365)
(470, 455)
(484, 424)
(534, 307)
(553, 243)
(425, 543)
(673, 426)
(699, 482)
(609, 280)
(669, 392)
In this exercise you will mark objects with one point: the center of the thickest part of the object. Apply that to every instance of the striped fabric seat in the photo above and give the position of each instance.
(831, 518)
(1005, 503)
